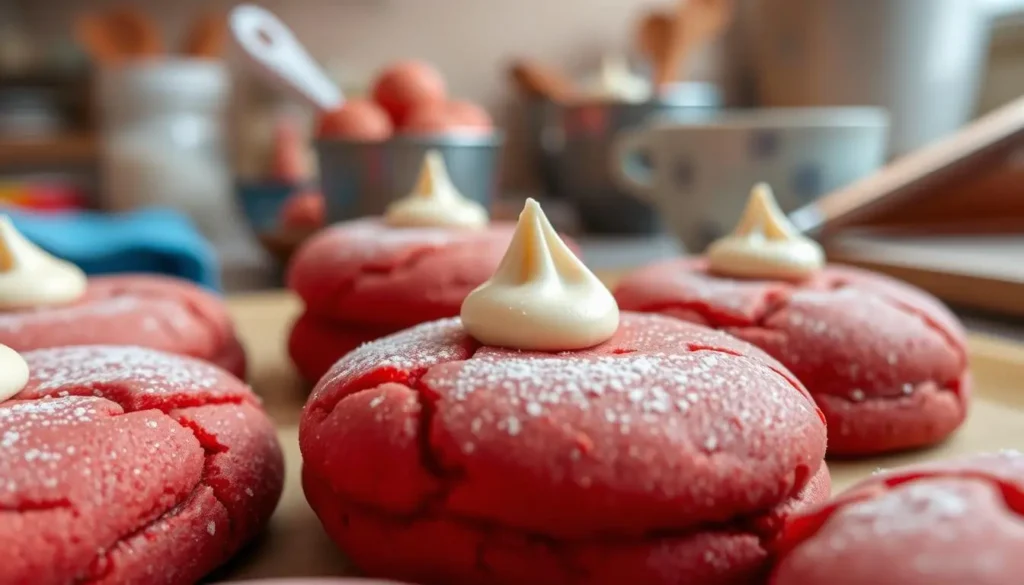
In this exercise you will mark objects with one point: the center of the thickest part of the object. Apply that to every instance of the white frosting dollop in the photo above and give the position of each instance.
(30, 278)
(542, 297)
(435, 201)
(765, 245)
(615, 81)
(13, 372)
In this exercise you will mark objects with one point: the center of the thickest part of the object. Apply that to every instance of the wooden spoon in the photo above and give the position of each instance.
(696, 23)
(140, 35)
(654, 36)
(537, 80)
(207, 37)
(92, 32)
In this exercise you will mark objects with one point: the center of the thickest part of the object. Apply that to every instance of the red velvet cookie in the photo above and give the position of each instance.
(886, 362)
(315, 581)
(127, 465)
(669, 454)
(363, 279)
(954, 522)
(161, 313)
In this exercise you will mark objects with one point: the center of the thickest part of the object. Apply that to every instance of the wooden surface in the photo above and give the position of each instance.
(980, 272)
(295, 544)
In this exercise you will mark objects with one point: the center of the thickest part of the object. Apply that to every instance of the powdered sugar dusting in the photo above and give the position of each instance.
(98, 321)
(654, 369)
(48, 412)
(94, 367)
(733, 296)
(21, 421)
(422, 346)
(369, 240)
(918, 506)
(717, 401)
(918, 531)
(1005, 465)
(13, 322)
(810, 311)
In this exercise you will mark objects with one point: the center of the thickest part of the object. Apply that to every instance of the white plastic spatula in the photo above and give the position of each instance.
(273, 49)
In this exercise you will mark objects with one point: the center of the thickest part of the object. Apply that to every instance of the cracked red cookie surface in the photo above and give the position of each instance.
(363, 279)
(886, 362)
(670, 453)
(315, 581)
(954, 522)
(127, 465)
(166, 314)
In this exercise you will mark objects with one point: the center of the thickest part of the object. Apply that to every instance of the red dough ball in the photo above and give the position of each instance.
(405, 85)
(445, 117)
(303, 211)
(886, 362)
(669, 454)
(943, 523)
(158, 312)
(127, 465)
(356, 119)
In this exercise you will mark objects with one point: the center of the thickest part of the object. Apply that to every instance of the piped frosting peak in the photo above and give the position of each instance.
(435, 201)
(542, 297)
(765, 245)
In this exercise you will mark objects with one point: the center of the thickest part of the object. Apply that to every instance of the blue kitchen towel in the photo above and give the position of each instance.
(154, 240)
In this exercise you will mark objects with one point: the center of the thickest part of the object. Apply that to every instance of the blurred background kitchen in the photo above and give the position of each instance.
(137, 136)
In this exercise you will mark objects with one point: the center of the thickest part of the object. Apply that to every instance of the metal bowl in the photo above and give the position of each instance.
(261, 203)
(361, 178)
(573, 146)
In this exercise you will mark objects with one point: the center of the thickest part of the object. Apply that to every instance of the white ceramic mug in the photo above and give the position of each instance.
(698, 174)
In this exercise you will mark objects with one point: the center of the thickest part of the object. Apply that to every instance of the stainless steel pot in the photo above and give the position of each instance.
(574, 147)
(361, 178)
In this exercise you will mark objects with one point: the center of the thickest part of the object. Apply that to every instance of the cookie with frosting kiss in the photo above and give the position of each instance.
(638, 449)
(364, 279)
(886, 362)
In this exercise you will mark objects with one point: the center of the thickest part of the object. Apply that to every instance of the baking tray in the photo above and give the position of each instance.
(296, 546)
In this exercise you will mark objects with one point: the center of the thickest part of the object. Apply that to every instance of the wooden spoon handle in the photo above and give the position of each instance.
(91, 32)
(142, 36)
(208, 37)
(540, 81)
(654, 38)
(696, 23)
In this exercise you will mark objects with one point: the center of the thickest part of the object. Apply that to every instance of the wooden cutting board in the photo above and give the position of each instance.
(976, 271)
